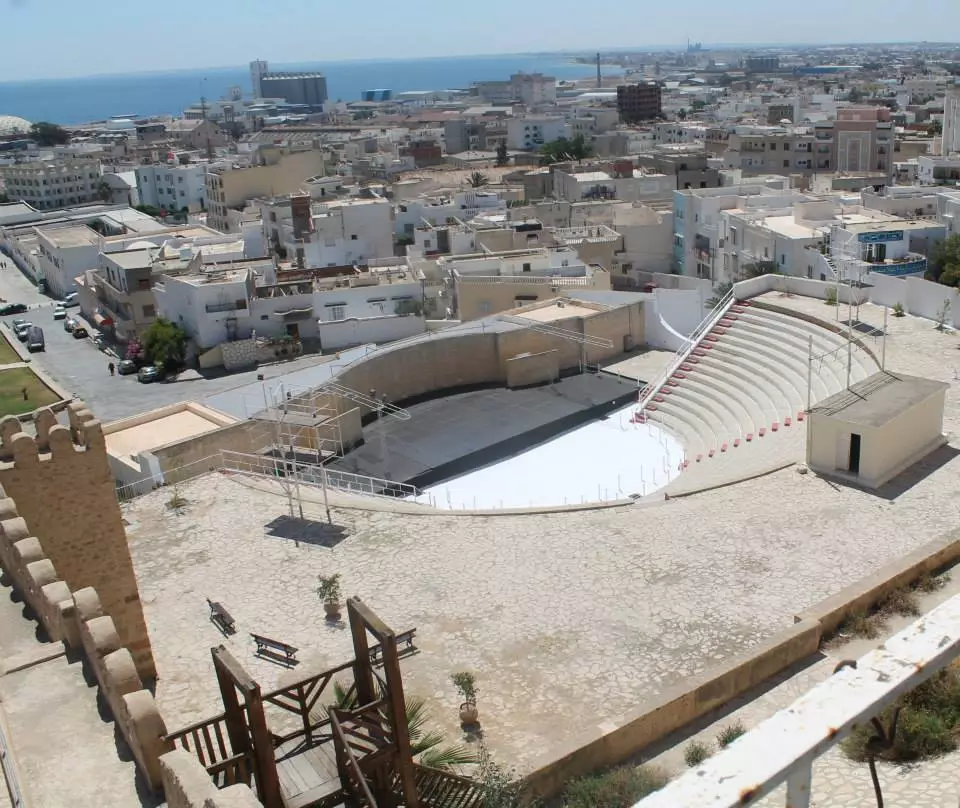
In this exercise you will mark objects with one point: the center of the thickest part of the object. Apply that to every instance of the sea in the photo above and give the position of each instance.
(94, 98)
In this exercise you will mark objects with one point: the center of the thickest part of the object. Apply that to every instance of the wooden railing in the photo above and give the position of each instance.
(441, 789)
(355, 781)
(302, 699)
(209, 740)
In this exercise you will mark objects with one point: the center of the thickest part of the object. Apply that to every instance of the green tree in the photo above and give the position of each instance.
(944, 260)
(104, 191)
(682, 114)
(49, 134)
(759, 268)
(503, 156)
(579, 149)
(555, 151)
(855, 95)
(478, 180)
(4, 199)
(935, 128)
(165, 344)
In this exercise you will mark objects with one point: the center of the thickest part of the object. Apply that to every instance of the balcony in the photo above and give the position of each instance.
(911, 264)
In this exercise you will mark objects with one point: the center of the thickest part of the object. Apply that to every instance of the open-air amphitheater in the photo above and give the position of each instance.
(597, 628)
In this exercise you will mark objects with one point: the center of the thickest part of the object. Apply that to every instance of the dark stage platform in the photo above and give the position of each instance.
(449, 436)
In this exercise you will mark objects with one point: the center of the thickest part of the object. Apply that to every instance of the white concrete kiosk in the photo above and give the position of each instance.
(877, 428)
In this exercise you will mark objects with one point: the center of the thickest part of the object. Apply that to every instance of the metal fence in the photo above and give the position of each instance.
(188, 471)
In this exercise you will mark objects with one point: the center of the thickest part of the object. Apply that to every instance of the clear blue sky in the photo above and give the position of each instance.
(55, 38)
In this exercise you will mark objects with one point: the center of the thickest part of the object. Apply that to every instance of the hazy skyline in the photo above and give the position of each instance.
(62, 38)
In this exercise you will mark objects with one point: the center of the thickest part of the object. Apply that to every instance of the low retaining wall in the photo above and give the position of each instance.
(694, 698)
(186, 784)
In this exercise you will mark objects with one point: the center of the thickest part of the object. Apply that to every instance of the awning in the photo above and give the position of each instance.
(103, 322)
(295, 314)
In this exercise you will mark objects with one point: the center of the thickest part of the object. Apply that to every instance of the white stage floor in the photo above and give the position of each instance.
(601, 461)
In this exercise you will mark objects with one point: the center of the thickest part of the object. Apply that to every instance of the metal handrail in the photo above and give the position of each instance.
(355, 774)
(705, 327)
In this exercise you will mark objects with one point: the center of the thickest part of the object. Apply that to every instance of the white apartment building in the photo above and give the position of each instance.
(938, 170)
(326, 234)
(64, 253)
(379, 304)
(173, 187)
(672, 132)
(532, 131)
(948, 211)
(53, 183)
(438, 208)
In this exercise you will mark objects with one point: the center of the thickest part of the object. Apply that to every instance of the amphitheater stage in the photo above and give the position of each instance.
(449, 436)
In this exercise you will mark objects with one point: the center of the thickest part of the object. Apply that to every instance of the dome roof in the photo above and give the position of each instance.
(12, 125)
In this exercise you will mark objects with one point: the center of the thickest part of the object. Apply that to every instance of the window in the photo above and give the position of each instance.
(353, 237)
(338, 312)
(143, 284)
(484, 307)
(786, 164)
(150, 310)
(773, 147)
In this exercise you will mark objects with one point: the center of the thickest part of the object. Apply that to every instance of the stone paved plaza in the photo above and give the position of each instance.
(568, 620)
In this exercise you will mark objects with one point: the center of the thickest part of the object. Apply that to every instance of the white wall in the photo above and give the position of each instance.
(359, 331)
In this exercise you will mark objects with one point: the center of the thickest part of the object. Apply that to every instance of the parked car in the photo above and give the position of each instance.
(35, 340)
(69, 324)
(17, 322)
(21, 331)
(71, 300)
(148, 374)
(12, 308)
(126, 367)
(79, 332)
(59, 312)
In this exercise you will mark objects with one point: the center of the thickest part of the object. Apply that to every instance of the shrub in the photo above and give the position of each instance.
(617, 788)
(898, 310)
(831, 297)
(730, 733)
(861, 624)
(931, 583)
(926, 727)
(695, 753)
(899, 601)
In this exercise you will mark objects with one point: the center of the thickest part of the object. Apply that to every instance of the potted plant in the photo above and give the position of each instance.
(466, 686)
(328, 590)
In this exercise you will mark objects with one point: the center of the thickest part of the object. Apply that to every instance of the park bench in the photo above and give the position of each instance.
(221, 618)
(405, 647)
(275, 651)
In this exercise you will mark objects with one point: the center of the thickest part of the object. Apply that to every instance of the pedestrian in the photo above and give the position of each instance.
(111, 368)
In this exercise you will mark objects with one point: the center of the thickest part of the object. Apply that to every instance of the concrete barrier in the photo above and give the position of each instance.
(687, 701)
(867, 592)
(676, 707)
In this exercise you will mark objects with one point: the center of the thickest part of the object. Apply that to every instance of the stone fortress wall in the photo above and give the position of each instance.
(78, 581)
(63, 488)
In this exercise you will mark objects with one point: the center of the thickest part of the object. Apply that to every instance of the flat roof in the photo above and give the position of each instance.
(189, 422)
(72, 236)
(132, 259)
(879, 398)
(557, 310)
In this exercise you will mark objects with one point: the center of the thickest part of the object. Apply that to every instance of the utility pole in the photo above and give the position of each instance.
(203, 116)
(599, 78)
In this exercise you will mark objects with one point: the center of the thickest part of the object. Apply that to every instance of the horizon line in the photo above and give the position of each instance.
(609, 50)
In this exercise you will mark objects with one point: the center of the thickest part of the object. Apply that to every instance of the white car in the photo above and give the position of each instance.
(71, 300)
(59, 312)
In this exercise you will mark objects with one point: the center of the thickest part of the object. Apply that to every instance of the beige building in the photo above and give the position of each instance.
(230, 186)
(54, 183)
(877, 428)
(485, 284)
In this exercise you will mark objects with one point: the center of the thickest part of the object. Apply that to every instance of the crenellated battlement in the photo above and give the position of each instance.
(55, 439)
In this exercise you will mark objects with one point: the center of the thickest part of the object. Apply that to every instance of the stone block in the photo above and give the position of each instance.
(52, 595)
(186, 783)
(145, 732)
(87, 604)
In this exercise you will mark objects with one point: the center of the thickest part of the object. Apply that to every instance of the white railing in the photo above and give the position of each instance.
(705, 327)
(782, 748)
(138, 488)
(315, 475)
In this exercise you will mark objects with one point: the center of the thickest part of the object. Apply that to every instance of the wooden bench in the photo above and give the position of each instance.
(405, 647)
(275, 651)
(221, 618)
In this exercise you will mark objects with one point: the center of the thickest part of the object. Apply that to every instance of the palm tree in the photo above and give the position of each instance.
(478, 180)
(426, 745)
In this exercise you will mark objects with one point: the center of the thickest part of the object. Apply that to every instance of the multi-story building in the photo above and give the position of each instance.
(761, 64)
(123, 286)
(343, 232)
(463, 134)
(231, 185)
(531, 89)
(532, 131)
(335, 309)
(173, 187)
(196, 133)
(938, 170)
(638, 102)
(950, 141)
(294, 88)
(437, 209)
(53, 183)
(486, 283)
(63, 253)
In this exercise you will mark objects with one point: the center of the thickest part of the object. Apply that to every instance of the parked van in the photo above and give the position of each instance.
(35, 339)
